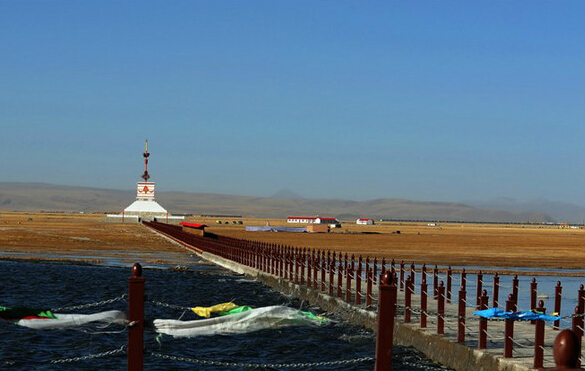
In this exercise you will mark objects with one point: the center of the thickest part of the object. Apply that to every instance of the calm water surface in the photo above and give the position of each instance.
(44, 285)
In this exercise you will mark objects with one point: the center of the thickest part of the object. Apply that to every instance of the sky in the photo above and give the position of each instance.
(422, 100)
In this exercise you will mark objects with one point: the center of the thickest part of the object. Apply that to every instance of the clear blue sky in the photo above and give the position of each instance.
(424, 100)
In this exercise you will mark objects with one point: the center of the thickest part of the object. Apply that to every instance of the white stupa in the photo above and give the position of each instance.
(145, 207)
(145, 203)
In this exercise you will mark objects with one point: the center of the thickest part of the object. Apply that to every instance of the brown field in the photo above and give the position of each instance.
(445, 244)
(79, 234)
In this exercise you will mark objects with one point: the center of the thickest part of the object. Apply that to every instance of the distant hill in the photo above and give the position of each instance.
(48, 197)
(559, 211)
(287, 194)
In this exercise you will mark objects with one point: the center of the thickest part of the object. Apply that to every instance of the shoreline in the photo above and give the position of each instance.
(129, 260)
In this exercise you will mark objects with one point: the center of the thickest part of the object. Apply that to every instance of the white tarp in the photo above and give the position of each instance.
(73, 320)
(248, 321)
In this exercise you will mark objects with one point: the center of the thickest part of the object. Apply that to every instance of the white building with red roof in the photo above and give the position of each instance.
(332, 222)
(365, 221)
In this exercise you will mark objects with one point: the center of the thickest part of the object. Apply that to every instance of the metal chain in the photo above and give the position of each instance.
(90, 305)
(264, 365)
(114, 352)
(424, 367)
(165, 305)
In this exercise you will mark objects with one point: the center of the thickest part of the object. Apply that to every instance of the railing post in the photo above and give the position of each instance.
(581, 298)
(464, 279)
(449, 283)
(496, 291)
(533, 294)
(368, 286)
(402, 275)
(382, 268)
(441, 309)
(435, 282)
(268, 252)
(375, 270)
(323, 266)
(266, 258)
(407, 301)
(297, 260)
(348, 277)
(558, 297)
(277, 261)
(315, 266)
(282, 261)
(358, 283)
(580, 319)
(309, 261)
(577, 325)
(478, 289)
(331, 262)
(339, 276)
(567, 351)
(423, 302)
(263, 257)
(515, 292)
(293, 263)
(272, 259)
(386, 314)
(509, 330)
(316, 269)
(539, 338)
(483, 321)
(282, 250)
(461, 316)
(254, 257)
(581, 305)
(135, 319)
(303, 265)
(413, 273)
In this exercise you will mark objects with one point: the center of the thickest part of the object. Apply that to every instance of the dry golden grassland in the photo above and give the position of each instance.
(78, 234)
(444, 244)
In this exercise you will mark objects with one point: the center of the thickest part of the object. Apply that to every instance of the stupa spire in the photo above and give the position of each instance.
(145, 175)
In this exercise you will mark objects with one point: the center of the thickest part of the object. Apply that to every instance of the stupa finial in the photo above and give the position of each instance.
(145, 176)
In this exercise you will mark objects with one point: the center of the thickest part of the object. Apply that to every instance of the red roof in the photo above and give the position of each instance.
(365, 219)
(193, 225)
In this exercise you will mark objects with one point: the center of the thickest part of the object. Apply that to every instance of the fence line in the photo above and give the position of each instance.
(343, 276)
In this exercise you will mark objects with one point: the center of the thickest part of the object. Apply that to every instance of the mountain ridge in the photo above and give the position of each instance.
(19, 196)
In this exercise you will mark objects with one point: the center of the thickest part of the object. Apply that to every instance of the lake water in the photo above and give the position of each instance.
(54, 285)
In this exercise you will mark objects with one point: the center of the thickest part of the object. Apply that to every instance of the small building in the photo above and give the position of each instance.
(194, 228)
(332, 222)
(365, 221)
(301, 219)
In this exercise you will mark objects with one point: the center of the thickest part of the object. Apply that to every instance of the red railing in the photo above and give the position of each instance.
(318, 270)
